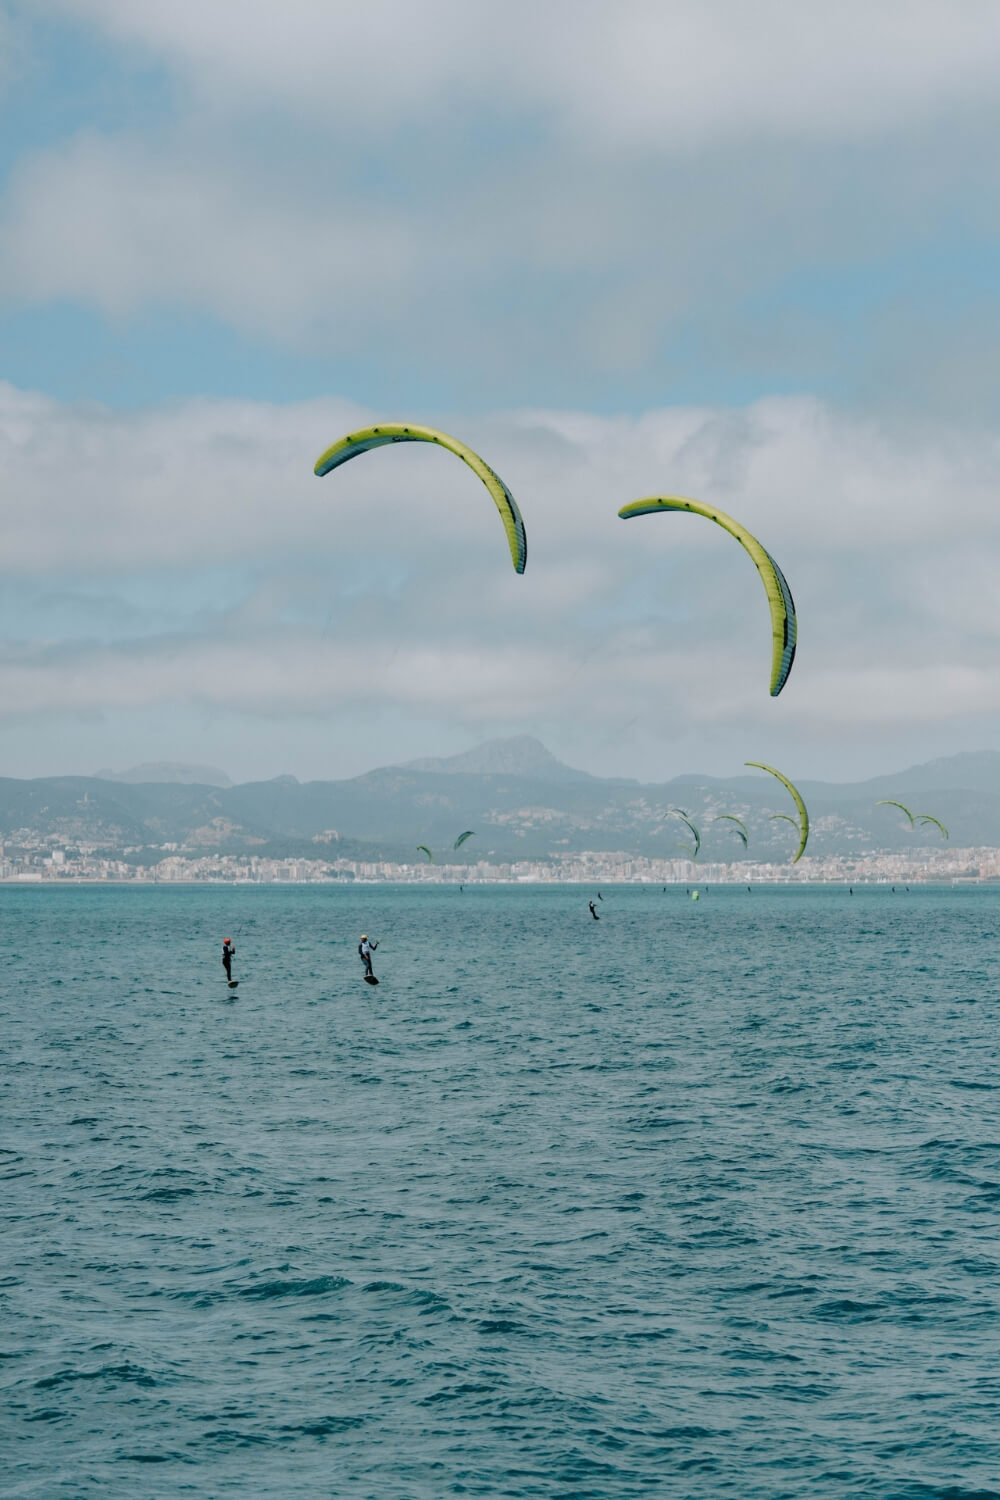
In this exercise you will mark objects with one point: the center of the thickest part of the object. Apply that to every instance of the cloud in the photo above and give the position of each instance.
(270, 675)
(249, 587)
(206, 480)
(664, 78)
(154, 227)
(512, 200)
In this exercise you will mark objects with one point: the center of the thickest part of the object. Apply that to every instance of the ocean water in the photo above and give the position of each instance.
(698, 1200)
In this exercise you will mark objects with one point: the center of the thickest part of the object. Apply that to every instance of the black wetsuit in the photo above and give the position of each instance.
(227, 959)
(593, 911)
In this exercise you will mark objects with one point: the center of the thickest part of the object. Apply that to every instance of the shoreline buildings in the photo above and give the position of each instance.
(51, 865)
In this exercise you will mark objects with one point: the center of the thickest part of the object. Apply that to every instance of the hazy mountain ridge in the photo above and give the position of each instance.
(385, 813)
(166, 772)
(519, 755)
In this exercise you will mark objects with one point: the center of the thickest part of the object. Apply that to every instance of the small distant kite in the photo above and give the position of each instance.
(888, 802)
(741, 827)
(796, 798)
(678, 812)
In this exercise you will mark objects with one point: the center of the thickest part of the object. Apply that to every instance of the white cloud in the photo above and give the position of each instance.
(665, 77)
(83, 486)
(270, 676)
(520, 191)
(120, 225)
(386, 587)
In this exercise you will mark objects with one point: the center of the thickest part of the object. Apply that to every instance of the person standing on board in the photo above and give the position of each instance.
(228, 949)
(365, 951)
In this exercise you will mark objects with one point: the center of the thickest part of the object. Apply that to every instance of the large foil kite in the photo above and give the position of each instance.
(394, 432)
(784, 627)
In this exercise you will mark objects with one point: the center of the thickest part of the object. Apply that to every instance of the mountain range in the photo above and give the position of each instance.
(518, 798)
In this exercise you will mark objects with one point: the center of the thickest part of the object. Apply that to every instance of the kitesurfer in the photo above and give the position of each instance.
(228, 949)
(365, 951)
(593, 911)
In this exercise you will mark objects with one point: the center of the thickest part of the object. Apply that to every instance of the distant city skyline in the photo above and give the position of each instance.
(50, 864)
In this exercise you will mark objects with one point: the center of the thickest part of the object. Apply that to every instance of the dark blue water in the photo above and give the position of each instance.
(700, 1200)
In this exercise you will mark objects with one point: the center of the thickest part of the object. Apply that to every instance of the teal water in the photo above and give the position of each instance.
(699, 1200)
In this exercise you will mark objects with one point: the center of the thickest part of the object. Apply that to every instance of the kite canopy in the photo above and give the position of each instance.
(796, 798)
(927, 818)
(468, 834)
(741, 827)
(423, 849)
(888, 802)
(394, 432)
(784, 628)
(677, 812)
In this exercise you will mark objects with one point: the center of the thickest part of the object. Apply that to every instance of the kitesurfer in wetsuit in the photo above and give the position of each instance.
(365, 951)
(228, 949)
(593, 911)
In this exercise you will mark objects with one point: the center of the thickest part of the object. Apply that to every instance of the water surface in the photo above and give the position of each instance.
(697, 1200)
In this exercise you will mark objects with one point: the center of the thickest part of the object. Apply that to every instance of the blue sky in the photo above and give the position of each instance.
(623, 248)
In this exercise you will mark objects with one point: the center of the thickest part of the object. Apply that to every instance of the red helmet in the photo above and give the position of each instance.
(227, 940)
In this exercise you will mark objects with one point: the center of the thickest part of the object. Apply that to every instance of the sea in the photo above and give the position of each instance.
(700, 1199)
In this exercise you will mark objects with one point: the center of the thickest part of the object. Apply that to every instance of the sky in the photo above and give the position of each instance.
(743, 253)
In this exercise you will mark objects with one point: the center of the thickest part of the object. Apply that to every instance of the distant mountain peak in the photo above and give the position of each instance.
(518, 755)
(176, 773)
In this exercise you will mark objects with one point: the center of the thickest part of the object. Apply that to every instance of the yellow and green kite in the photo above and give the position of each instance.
(784, 626)
(395, 432)
(796, 798)
(741, 827)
